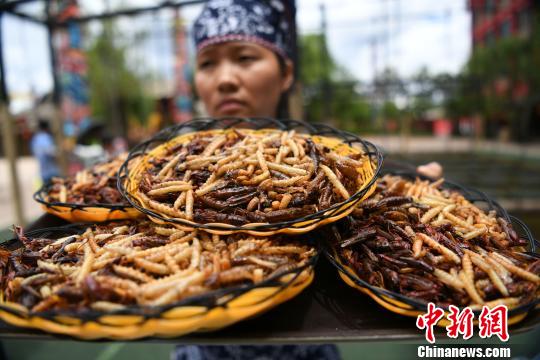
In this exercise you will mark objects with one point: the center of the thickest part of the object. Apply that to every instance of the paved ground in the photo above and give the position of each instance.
(417, 144)
(29, 180)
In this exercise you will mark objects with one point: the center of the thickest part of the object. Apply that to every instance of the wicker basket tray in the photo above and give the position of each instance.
(206, 312)
(339, 141)
(73, 212)
(403, 305)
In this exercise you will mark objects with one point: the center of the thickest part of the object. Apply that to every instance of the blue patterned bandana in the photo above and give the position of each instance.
(269, 23)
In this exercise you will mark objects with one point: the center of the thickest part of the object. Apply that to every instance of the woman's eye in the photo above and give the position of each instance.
(205, 64)
(247, 58)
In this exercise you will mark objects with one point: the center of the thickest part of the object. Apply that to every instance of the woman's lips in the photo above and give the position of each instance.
(230, 106)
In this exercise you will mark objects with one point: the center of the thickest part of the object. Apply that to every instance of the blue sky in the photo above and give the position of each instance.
(363, 35)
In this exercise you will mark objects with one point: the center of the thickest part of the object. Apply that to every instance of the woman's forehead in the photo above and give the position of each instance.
(230, 46)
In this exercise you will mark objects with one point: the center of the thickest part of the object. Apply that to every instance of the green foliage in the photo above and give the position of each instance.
(487, 84)
(329, 88)
(389, 110)
(116, 91)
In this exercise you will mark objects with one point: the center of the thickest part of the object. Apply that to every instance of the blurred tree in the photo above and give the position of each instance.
(501, 83)
(423, 92)
(348, 109)
(116, 91)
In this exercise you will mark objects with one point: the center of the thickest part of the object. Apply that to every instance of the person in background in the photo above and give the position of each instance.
(42, 146)
(244, 68)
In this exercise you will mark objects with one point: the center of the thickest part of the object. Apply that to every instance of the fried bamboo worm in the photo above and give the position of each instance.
(335, 181)
(151, 267)
(181, 236)
(156, 287)
(209, 187)
(288, 170)
(468, 284)
(106, 306)
(199, 163)
(170, 189)
(172, 163)
(514, 269)
(288, 182)
(449, 254)
(417, 246)
(430, 214)
(132, 273)
(449, 279)
(466, 263)
(504, 274)
(165, 231)
(257, 179)
(166, 209)
(475, 233)
(214, 145)
(253, 203)
(509, 302)
(180, 286)
(495, 279)
(262, 161)
(189, 204)
(294, 147)
(180, 200)
(59, 242)
(86, 266)
(454, 219)
(166, 184)
(171, 264)
(196, 254)
(285, 200)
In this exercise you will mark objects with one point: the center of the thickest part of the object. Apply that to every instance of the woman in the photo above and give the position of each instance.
(244, 68)
(244, 57)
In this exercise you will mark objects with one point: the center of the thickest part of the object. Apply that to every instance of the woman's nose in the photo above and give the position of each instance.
(227, 78)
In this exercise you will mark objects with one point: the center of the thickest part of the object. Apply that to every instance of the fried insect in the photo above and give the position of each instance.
(415, 233)
(95, 185)
(139, 264)
(248, 177)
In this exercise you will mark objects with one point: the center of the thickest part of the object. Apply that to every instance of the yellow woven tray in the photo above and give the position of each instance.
(368, 172)
(91, 213)
(173, 322)
(402, 305)
(393, 303)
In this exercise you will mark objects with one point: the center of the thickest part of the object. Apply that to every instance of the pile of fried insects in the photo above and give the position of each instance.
(241, 176)
(109, 267)
(431, 244)
(92, 186)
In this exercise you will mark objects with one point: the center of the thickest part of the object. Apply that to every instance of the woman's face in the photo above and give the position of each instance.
(240, 79)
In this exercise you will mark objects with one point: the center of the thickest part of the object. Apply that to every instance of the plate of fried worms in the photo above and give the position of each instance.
(290, 178)
(417, 241)
(134, 279)
(91, 195)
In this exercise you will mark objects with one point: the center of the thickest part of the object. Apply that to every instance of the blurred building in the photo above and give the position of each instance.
(512, 81)
(496, 19)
